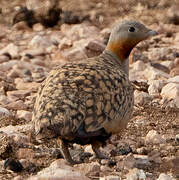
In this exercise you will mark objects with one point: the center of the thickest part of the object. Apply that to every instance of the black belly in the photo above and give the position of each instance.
(82, 137)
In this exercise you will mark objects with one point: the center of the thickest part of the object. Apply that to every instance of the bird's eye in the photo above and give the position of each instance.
(131, 29)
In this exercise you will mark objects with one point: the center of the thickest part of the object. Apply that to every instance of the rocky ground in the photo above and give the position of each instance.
(148, 148)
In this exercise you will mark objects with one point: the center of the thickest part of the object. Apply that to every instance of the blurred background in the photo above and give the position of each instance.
(102, 12)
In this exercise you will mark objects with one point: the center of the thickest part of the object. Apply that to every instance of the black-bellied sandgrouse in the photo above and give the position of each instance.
(87, 101)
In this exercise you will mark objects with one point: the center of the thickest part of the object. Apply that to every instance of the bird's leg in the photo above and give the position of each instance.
(98, 154)
(65, 152)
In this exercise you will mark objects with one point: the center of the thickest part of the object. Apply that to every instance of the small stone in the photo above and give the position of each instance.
(139, 66)
(17, 105)
(136, 174)
(24, 115)
(59, 170)
(11, 49)
(6, 66)
(141, 161)
(4, 100)
(153, 137)
(40, 41)
(159, 53)
(88, 168)
(38, 27)
(110, 178)
(4, 58)
(141, 98)
(141, 150)
(105, 168)
(14, 73)
(175, 71)
(21, 85)
(65, 43)
(155, 87)
(164, 176)
(5, 112)
(21, 26)
(94, 48)
(20, 94)
(152, 73)
(173, 79)
(168, 64)
(170, 91)
(33, 52)
(89, 149)
(129, 161)
(74, 54)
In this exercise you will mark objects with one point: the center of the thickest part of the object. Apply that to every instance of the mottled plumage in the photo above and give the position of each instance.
(87, 101)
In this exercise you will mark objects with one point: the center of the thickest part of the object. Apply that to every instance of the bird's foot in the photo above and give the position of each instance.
(65, 152)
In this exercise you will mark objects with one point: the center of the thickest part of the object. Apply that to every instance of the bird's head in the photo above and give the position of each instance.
(125, 36)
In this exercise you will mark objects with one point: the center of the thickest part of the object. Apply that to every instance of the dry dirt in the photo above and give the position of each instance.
(164, 120)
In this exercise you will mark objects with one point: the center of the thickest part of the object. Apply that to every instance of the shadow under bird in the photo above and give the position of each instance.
(87, 101)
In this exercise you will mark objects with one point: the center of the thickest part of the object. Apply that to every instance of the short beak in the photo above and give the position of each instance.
(152, 33)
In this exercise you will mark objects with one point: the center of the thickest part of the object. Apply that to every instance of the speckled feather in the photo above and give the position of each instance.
(85, 102)
(95, 93)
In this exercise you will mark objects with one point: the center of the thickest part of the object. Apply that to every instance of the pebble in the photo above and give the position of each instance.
(139, 66)
(6, 66)
(87, 168)
(17, 105)
(5, 112)
(110, 178)
(136, 174)
(59, 170)
(153, 137)
(38, 27)
(11, 49)
(20, 94)
(155, 87)
(170, 91)
(94, 48)
(21, 85)
(74, 54)
(141, 161)
(21, 26)
(159, 53)
(89, 149)
(33, 52)
(173, 79)
(175, 71)
(105, 168)
(24, 115)
(168, 64)
(4, 58)
(141, 98)
(152, 73)
(40, 41)
(164, 176)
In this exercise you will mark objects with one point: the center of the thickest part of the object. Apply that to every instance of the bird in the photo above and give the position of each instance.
(86, 102)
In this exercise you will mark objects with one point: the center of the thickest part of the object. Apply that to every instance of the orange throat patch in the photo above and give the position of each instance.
(121, 50)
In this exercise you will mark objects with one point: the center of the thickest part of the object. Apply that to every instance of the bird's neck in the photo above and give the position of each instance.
(112, 57)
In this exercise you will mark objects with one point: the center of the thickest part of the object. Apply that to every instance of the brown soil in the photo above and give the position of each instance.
(165, 121)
